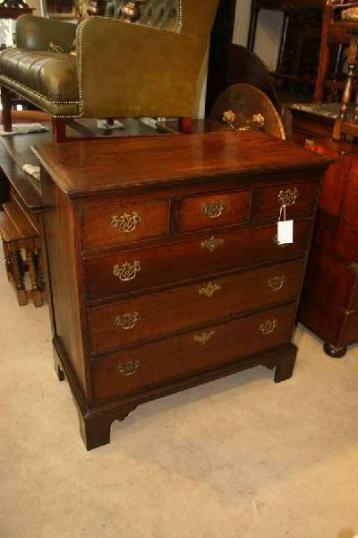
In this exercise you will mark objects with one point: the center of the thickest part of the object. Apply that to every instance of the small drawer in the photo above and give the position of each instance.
(200, 212)
(299, 199)
(145, 268)
(153, 316)
(124, 223)
(122, 373)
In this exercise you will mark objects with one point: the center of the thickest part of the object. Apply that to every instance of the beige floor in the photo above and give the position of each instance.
(237, 458)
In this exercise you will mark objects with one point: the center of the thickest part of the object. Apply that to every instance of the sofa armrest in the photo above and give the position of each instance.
(38, 32)
(131, 70)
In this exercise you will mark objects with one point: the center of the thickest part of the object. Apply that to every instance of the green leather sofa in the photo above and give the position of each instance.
(107, 67)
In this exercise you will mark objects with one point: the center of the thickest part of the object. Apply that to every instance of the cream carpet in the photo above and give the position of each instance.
(237, 458)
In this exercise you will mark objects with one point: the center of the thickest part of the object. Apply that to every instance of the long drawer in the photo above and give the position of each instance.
(152, 316)
(122, 373)
(127, 271)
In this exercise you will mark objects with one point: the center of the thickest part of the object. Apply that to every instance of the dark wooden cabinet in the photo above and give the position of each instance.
(163, 263)
(329, 302)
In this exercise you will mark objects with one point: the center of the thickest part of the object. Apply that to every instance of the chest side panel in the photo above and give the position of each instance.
(64, 280)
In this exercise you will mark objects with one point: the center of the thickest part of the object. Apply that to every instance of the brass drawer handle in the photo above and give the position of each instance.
(204, 337)
(281, 245)
(288, 197)
(127, 271)
(268, 327)
(128, 368)
(126, 223)
(212, 243)
(209, 289)
(276, 283)
(213, 210)
(127, 321)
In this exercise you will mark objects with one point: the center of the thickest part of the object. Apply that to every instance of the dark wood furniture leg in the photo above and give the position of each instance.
(6, 109)
(96, 429)
(335, 352)
(36, 292)
(17, 275)
(59, 129)
(283, 365)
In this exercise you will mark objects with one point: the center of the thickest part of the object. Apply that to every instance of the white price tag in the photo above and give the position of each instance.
(284, 232)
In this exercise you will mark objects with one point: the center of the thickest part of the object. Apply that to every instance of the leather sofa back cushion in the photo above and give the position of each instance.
(165, 14)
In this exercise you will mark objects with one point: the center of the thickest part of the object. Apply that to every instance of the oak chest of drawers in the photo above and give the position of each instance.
(163, 263)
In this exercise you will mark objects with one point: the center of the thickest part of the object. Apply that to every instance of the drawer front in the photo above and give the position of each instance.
(299, 199)
(125, 223)
(152, 316)
(128, 371)
(199, 212)
(112, 275)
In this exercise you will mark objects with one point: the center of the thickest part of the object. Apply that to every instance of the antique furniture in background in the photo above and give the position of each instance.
(169, 274)
(20, 221)
(231, 64)
(128, 59)
(330, 295)
(23, 252)
(345, 124)
(245, 107)
(335, 37)
(300, 39)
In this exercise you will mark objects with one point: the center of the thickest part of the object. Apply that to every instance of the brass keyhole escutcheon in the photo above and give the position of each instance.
(212, 244)
(209, 289)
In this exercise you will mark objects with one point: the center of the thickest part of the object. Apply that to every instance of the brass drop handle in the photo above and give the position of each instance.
(276, 283)
(127, 321)
(126, 223)
(268, 327)
(204, 337)
(209, 289)
(288, 197)
(128, 271)
(130, 367)
(214, 209)
(212, 244)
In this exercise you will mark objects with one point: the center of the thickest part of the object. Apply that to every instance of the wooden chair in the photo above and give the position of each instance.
(335, 34)
(344, 125)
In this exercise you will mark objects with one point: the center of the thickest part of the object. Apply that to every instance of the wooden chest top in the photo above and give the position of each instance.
(88, 167)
